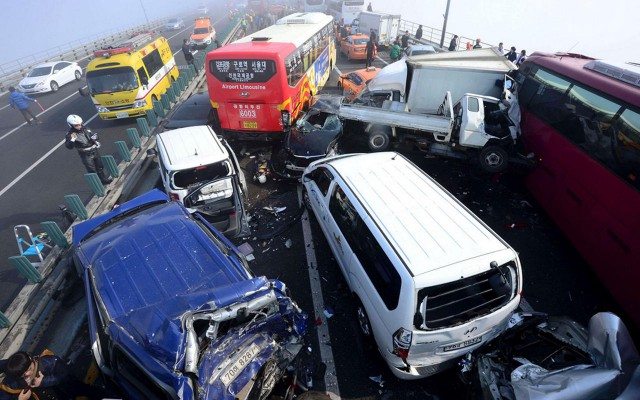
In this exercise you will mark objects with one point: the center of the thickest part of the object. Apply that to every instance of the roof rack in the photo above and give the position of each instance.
(628, 73)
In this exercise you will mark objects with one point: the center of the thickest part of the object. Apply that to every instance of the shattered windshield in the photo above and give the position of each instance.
(111, 80)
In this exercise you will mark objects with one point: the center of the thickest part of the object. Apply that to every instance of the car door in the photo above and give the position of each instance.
(472, 132)
(61, 73)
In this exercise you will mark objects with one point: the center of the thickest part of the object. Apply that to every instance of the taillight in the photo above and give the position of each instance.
(402, 343)
(174, 197)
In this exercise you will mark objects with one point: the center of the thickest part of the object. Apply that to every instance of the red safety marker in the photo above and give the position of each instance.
(40, 105)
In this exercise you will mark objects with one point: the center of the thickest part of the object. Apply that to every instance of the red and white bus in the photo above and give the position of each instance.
(260, 83)
(581, 118)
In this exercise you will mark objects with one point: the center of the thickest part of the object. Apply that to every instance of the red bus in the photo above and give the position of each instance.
(260, 83)
(581, 118)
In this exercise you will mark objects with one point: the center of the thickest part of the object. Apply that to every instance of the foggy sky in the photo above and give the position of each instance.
(30, 26)
(601, 28)
(598, 28)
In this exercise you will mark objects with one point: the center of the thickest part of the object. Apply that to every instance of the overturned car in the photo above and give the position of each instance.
(174, 311)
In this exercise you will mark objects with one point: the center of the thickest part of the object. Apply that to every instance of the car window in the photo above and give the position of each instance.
(205, 173)
(355, 78)
(323, 178)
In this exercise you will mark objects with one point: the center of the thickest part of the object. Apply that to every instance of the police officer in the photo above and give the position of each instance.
(86, 142)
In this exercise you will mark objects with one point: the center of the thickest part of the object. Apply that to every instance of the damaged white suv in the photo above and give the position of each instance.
(431, 280)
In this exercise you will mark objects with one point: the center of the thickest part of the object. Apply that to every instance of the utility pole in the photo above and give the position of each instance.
(145, 12)
(444, 25)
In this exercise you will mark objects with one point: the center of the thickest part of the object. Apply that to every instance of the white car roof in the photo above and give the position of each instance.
(48, 64)
(428, 228)
(190, 147)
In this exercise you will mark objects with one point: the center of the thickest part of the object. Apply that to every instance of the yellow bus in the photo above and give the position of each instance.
(123, 80)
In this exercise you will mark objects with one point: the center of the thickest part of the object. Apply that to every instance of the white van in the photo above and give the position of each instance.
(431, 280)
(200, 170)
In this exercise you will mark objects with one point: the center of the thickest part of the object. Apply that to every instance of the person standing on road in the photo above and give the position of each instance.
(186, 51)
(419, 33)
(453, 45)
(501, 48)
(371, 50)
(405, 40)
(86, 142)
(369, 8)
(477, 45)
(21, 102)
(521, 57)
(395, 52)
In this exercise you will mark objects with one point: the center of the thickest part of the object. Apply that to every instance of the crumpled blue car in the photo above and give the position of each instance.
(173, 310)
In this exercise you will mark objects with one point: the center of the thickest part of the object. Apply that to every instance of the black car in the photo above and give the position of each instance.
(314, 136)
(196, 110)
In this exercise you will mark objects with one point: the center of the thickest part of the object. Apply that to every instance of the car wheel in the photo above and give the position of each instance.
(363, 320)
(54, 86)
(78, 75)
(493, 159)
(378, 140)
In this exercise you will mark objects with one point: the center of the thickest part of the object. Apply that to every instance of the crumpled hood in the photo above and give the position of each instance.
(309, 144)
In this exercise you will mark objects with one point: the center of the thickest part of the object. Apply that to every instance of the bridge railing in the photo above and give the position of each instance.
(12, 72)
(431, 35)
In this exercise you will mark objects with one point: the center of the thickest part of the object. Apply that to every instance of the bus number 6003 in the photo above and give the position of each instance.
(248, 114)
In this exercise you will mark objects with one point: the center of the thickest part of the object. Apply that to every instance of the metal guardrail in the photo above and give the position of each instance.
(12, 72)
(433, 35)
(27, 315)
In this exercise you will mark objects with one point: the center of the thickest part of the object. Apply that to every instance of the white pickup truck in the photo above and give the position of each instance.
(475, 126)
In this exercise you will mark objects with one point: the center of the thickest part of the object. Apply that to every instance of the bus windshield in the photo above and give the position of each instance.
(111, 80)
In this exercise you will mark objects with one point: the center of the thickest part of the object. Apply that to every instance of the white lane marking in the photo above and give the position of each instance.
(42, 112)
(74, 93)
(385, 63)
(324, 340)
(35, 164)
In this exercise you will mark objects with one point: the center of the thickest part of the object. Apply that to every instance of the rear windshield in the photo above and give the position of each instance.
(200, 31)
(360, 41)
(243, 70)
(199, 175)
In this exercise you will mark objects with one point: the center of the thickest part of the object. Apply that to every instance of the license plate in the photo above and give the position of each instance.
(122, 115)
(462, 345)
(250, 124)
(237, 367)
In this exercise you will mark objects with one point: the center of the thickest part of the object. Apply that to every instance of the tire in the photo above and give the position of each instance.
(378, 140)
(364, 326)
(78, 75)
(54, 86)
(493, 159)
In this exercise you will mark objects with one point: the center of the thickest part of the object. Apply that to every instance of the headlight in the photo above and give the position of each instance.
(139, 103)
(102, 109)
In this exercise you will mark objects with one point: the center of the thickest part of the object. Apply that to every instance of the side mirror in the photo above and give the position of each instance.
(151, 153)
(84, 92)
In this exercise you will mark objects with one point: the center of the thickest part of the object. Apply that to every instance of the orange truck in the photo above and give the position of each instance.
(203, 33)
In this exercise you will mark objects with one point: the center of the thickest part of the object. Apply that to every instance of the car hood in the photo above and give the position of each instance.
(309, 144)
(34, 80)
(183, 123)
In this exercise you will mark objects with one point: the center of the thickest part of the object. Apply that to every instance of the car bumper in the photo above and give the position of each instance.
(42, 89)
(121, 114)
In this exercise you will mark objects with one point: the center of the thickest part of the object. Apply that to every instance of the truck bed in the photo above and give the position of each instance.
(392, 114)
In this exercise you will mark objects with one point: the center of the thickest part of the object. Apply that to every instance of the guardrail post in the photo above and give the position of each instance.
(157, 107)
(94, 183)
(4, 321)
(152, 117)
(143, 125)
(55, 233)
(77, 207)
(192, 71)
(181, 81)
(134, 137)
(26, 269)
(110, 164)
(171, 94)
(125, 154)
(176, 87)
(166, 104)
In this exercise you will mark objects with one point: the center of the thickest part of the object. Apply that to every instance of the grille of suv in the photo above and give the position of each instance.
(457, 302)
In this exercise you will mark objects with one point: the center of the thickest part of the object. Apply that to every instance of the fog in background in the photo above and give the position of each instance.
(32, 26)
(601, 28)
(598, 28)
